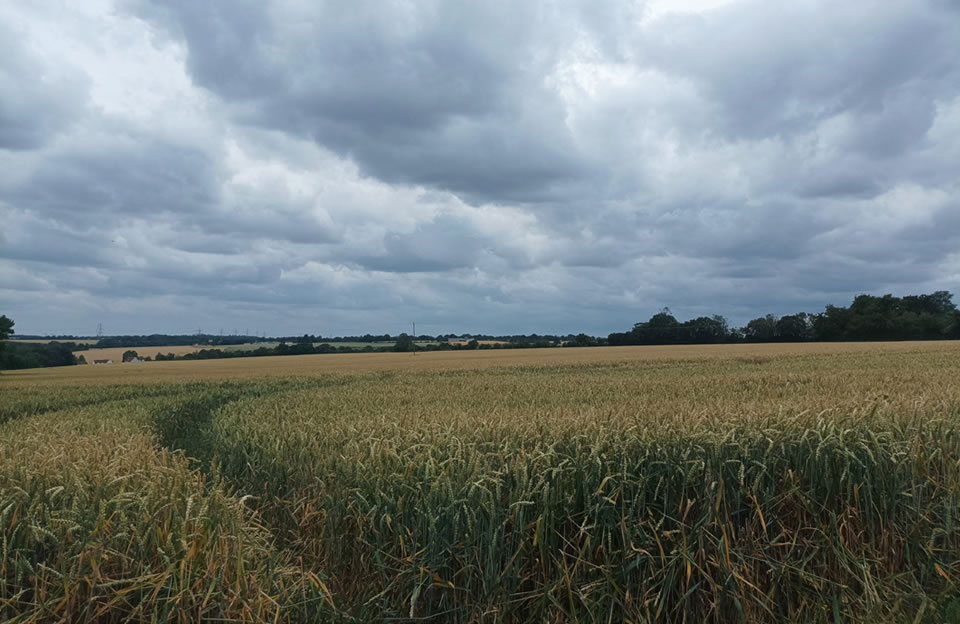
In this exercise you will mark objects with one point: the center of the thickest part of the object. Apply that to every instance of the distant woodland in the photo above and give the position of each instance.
(915, 317)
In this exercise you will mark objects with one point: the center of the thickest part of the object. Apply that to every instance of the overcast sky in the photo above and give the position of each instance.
(295, 166)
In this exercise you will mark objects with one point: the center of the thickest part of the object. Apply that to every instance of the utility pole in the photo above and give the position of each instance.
(414, 338)
(99, 330)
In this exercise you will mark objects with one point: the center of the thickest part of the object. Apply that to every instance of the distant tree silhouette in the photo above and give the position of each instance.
(914, 317)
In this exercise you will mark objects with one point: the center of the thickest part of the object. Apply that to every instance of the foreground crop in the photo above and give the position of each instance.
(759, 489)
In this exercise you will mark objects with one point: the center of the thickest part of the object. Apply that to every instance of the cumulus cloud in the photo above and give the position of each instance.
(545, 166)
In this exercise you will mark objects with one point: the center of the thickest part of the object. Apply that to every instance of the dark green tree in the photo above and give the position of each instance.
(6, 327)
(794, 327)
(583, 340)
(914, 317)
(704, 330)
(761, 329)
(130, 355)
(662, 328)
(831, 324)
(404, 344)
(952, 330)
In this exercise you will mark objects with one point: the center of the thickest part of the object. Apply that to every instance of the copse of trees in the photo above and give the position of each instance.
(920, 317)
(404, 344)
(132, 356)
(914, 317)
(16, 355)
(664, 328)
(6, 328)
(790, 328)
(583, 340)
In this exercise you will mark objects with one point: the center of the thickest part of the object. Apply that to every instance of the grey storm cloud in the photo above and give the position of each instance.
(775, 69)
(37, 99)
(498, 166)
(118, 180)
(442, 94)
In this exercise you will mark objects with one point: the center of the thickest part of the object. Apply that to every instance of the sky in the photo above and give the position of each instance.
(551, 166)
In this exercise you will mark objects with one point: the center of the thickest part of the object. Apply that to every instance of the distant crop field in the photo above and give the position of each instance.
(116, 353)
(352, 345)
(248, 346)
(753, 483)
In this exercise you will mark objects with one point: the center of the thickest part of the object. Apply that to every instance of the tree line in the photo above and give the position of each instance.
(16, 355)
(869, 317)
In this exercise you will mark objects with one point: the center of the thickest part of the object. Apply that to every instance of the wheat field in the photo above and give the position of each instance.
(116, 353)
(751, 483)
(312, 365)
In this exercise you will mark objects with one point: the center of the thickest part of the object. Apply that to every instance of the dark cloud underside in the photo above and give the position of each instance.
(543, 166)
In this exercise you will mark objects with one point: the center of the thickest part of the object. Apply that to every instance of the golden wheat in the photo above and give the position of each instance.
(754, 483)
